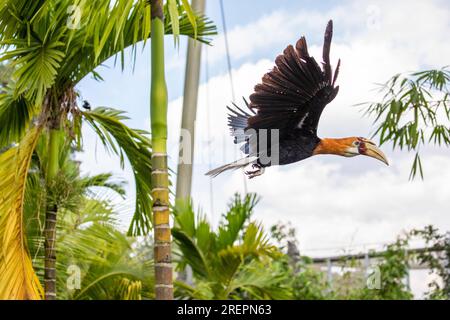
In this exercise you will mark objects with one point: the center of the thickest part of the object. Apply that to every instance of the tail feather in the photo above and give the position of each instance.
(238, 122)
(241, 163)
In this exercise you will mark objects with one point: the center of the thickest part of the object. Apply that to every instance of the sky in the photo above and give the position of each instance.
(336, 204)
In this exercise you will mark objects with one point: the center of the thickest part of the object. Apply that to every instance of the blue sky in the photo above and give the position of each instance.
(336, 204)
(237, 13)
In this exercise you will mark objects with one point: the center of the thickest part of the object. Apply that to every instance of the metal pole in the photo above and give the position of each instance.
(329, 272)
(366, 265)
(191, 83)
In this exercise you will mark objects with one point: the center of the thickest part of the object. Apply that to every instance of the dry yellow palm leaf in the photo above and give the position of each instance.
(18, 279)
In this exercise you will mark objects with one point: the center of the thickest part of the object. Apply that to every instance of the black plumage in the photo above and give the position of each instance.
(290, 98)
(86, 105)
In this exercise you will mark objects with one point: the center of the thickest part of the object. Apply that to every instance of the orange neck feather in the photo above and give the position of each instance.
(332, 146)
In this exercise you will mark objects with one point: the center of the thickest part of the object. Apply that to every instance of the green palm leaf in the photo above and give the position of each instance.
(238, 214)
(15, 117)
(36, 66)
(223, 262)
(192, 253)
(35, 38)
(135, 146)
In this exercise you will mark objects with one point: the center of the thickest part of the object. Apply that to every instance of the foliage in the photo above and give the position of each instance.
(393, 269)
(235, 262)
(87, 236)
(49, 56)
(5, 75)
(284, 234)
(414, 111)
(18, 279)
(282, 273)
(109, 266)
(303, 280)
(437, 258)
(49, 45)
(135, 144)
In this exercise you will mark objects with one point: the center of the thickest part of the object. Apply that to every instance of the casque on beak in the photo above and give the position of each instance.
(371, 150)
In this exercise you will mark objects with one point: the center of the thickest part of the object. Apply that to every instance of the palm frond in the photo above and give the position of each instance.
(108, 270)
(262, 280)
(254, 245)
(192, 253)
(172, 8)
(129, 289)
(104, 180)
(38, 38)
(36, 65)
(226, 262)
(238, 214)
(15, 14)
(136, 147)
(184, 216)
(15, 116)
(127, 23)
(18, 280)
(110, 29)
(193, 237)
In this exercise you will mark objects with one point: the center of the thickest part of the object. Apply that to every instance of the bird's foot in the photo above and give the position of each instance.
(259, 171)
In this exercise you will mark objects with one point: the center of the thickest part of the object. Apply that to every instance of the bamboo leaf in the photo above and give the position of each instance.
(415, 99)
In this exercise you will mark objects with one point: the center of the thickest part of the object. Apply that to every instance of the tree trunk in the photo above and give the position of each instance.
(50, 218)
(190, 97)
(160, 180)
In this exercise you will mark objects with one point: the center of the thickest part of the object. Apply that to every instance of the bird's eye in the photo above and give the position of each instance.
(356, 143)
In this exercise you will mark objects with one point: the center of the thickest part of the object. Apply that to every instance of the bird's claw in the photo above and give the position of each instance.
(259, 171)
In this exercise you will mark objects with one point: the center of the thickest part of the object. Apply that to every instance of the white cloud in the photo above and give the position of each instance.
(328, 206)
(333, 201)
(414, 29)
(331, 198)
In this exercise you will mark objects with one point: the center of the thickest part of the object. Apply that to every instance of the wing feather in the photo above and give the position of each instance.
(296, 89)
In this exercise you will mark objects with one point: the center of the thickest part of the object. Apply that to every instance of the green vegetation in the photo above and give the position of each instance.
(49, 51)
(95, 259)
(59, 230)
(414, 111)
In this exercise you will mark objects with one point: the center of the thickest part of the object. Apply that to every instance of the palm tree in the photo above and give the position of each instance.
(95, 259)
(158, 111)
(108, 263)
(160, 179)
(50, 57)
(237, 261)
(17, 166)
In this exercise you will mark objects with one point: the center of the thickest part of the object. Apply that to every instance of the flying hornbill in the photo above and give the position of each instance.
(291, 99)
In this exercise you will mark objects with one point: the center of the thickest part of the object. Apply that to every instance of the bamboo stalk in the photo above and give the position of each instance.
(160, 179)
(50, 217)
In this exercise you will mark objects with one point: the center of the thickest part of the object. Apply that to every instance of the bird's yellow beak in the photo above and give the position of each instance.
(372, 150)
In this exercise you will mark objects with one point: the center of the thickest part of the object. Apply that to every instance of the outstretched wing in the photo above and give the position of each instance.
(294, 93)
